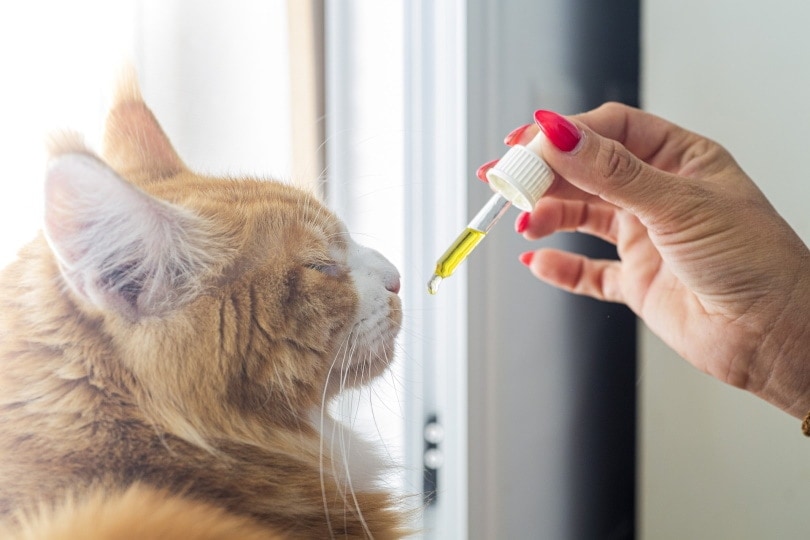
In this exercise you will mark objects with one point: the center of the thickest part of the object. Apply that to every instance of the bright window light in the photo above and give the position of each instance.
(58, 59)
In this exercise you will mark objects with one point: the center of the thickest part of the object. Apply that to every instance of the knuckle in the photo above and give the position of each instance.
(704, 155)
(613, 107)
(615, 163)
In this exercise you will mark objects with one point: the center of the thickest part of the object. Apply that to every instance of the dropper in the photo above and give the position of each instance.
(519, 178)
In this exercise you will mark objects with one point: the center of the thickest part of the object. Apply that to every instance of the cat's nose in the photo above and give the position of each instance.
(381, 269)
(392, 284)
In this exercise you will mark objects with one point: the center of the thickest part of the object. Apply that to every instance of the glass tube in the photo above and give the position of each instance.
(469, 238)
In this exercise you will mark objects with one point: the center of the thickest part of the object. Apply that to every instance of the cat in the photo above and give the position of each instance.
(169, 345)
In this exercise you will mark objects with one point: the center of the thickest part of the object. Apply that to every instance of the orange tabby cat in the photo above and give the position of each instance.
(169, 346)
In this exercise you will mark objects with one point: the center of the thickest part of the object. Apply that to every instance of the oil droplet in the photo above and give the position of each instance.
(433, 284)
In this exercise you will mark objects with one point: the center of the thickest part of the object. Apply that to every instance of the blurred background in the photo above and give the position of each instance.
(549, 416)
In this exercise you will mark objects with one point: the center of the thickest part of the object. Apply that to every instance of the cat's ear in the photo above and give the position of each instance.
(134, 144)
(119, 248)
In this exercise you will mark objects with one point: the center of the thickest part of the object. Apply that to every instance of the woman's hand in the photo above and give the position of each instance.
(705, 260)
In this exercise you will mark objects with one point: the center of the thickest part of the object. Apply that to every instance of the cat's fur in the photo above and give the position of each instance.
(168, 347)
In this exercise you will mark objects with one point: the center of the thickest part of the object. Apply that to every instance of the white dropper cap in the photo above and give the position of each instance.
(521, 176)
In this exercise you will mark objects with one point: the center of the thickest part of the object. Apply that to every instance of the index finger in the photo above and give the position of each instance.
(650, 138)
(560, 188)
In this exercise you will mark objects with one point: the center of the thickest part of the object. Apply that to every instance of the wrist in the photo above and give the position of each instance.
(783, 354)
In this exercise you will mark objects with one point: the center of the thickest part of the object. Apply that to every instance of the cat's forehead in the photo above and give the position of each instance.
(267, 204)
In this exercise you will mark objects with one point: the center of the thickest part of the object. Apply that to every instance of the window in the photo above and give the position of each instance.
(396, 172)
(54, 70)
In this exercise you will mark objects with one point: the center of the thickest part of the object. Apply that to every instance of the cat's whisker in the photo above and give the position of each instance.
(321, 430)
(346, 447)
(371, 407)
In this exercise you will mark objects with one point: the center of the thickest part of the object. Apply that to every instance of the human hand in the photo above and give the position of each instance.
(705, 260)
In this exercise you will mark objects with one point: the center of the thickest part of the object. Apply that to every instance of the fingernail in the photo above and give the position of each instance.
(526, 258)
(522, 222)
(515, 134)
(481, 173)
(562, 133)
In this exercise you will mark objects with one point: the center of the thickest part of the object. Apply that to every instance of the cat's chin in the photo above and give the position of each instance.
(370, 346)
(361, 371)
(364, 366)
(370, 368)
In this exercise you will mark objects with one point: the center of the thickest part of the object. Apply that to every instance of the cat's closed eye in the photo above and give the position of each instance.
(330, 268)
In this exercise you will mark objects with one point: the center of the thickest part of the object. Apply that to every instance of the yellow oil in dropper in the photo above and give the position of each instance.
(472, 235)
(454, 256)
(520, 177)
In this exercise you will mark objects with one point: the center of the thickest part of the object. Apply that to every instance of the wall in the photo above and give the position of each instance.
(716, 462)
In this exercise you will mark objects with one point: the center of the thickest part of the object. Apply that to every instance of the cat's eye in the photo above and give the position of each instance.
(328, 268)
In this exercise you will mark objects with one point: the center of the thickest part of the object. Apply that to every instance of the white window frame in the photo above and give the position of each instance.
(434, 354)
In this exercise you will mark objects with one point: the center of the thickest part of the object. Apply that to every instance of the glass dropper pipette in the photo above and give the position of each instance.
(472, 235)
(519, 178)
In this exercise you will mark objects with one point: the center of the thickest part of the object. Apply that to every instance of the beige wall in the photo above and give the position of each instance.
(716, 462)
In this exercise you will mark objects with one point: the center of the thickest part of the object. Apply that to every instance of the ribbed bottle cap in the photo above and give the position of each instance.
(521, 177)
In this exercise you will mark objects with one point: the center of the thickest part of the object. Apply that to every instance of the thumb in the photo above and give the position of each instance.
(605, 167)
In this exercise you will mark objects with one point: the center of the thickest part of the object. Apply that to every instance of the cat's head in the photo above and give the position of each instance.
(233, 294)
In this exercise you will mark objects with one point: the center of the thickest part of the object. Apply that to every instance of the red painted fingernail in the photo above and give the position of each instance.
(562, 133)
(481, 173)
(515, 134)
(522, 222)
(526, 258)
